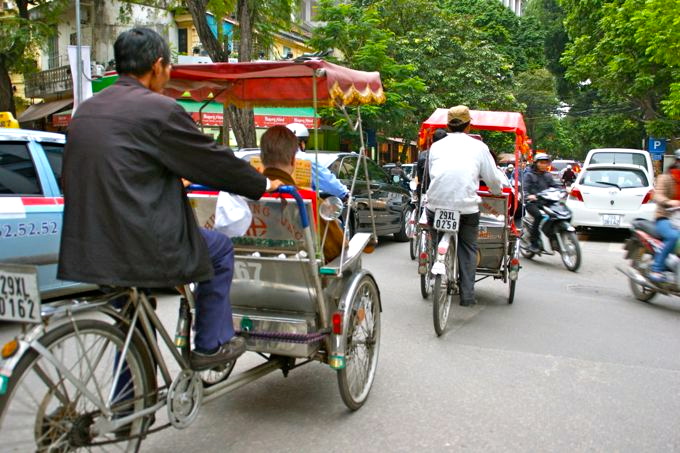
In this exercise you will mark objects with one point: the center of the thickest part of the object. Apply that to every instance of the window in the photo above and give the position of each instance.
(619, 158)
(624, 179)
(53, 52)
(347, 168)
(55, 156)
(182, 41)
(376, 173)
(17, 171)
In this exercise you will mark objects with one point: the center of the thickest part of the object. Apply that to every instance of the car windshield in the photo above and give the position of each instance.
(619, 158)
(622, 178)
(558, 165)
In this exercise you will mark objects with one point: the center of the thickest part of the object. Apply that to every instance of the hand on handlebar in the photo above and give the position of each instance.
(274, 184)
(531, 197)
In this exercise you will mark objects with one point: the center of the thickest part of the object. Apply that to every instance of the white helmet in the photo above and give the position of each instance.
(541, 156)
(299, 130)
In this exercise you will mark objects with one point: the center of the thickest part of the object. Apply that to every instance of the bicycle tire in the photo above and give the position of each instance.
(62, 416)
(442, 295)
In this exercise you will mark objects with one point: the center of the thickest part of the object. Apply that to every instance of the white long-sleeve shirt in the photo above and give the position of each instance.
(457, 163)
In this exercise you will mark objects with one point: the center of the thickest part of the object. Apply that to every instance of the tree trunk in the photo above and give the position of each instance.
(211, 44)
(6, 92)
(243, 120)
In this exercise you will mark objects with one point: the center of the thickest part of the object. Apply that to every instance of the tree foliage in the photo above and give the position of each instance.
(609, 51)
(258, 21)
(21, 38)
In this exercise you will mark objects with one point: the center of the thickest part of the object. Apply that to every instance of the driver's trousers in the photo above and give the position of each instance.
(534, 208)
(213, 323)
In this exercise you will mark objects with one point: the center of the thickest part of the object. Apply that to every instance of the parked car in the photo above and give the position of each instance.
(32, 205)
(611, 196)
(390, 201)
(558, 166)
(618, 156)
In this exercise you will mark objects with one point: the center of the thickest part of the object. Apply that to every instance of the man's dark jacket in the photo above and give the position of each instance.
(535, 181)
(127, 219)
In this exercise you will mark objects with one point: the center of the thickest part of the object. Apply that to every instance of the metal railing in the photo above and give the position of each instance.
(50, 83)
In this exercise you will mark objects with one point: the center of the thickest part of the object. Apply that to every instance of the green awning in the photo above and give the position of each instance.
(215, 107)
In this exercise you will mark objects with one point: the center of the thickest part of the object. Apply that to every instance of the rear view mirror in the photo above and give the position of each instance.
(331, 209)
(396, 179)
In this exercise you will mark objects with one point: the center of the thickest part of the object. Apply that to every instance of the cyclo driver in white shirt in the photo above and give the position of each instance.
(457, 163)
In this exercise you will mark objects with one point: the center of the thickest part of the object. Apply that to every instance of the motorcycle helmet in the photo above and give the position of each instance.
(541, 156)
(299, 130)
(676, 153)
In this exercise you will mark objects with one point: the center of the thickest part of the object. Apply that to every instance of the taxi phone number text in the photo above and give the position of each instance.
(28, 229)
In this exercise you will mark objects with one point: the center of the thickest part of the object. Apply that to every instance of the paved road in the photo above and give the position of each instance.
(576, 364)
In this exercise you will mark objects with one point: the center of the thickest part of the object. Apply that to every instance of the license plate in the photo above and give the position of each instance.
(19, 295)
(446, 220)
(611, 219)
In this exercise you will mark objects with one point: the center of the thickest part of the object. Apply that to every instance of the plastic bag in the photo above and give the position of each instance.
(232, 214)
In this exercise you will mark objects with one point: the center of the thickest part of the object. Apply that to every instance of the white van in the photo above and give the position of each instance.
(637, 157)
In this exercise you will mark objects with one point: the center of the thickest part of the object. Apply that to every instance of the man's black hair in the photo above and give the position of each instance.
(136, 51)
(438, 134)
(455, 126)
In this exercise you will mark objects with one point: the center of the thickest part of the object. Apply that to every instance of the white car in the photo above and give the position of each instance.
(620, 156)
(611, 196)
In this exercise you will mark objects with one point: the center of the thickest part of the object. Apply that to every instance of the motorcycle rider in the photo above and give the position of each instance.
(666, 195)
(536, 180)
(568, 176)
(328, 183)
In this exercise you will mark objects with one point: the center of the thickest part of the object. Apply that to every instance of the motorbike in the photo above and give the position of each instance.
(640, 248)
(557, 235)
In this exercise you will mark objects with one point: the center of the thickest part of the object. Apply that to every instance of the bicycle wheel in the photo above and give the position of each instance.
(363, 344)
(442, 294)
(426, 279)
(42, 410)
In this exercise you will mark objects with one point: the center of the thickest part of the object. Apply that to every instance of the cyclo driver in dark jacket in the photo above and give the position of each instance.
(127, 219)
(536, 180)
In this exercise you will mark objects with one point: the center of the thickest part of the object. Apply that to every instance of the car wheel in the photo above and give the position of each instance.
(401, 235)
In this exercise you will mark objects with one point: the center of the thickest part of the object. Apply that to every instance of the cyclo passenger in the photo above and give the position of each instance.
(536, 180)
(278, 147)
(127, 220)
(457, 163)
(328, 183)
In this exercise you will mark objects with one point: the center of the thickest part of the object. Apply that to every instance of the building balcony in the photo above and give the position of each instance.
(53, 83)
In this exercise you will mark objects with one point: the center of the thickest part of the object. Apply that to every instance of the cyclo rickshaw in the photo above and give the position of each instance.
(83, 373)
(498, 241)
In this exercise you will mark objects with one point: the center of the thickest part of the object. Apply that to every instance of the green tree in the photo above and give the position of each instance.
(607, 51)
(358, 33)
(656, 30)
(20, 39)
(256, 18)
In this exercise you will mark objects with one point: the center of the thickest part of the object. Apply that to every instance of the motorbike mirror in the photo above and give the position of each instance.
(413, 185)
(396, 179)
(331, 208)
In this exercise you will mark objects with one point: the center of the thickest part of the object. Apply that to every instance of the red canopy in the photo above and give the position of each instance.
(481, 119)
(276, 84)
